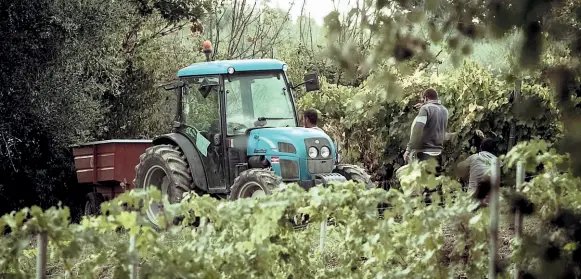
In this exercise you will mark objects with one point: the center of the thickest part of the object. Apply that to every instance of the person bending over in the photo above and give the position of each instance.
(476, 168)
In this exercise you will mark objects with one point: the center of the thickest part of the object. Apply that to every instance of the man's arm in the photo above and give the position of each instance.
(418, 129)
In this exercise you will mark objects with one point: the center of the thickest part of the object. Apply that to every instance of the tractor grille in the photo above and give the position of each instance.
(320, 166)
(286, 147)
(289, 169)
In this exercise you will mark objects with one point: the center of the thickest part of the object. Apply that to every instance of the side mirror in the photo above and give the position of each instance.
(312, 82)
(172, 85)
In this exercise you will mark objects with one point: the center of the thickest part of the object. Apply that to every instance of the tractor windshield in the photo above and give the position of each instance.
(250, 96)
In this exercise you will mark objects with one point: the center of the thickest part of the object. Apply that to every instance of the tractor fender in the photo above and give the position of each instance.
(193, 157)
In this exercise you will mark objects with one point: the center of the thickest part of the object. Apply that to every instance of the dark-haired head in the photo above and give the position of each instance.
(310, 117)
(431, 94)
(488, 145)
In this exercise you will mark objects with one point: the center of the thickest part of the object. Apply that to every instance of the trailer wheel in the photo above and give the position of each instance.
(354, 173)
(165, 168)
(93, 204)
(254, 183)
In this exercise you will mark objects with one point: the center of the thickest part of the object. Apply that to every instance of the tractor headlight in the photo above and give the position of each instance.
(313, 152)
(230, 70)
(325, 151)
(284, 67)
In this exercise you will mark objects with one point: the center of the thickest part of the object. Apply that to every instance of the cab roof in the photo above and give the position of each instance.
(221, 67)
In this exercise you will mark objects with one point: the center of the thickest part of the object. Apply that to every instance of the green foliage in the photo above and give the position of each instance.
(75, 71)
(50, 97)
(173, 10)
(547, 51)
(254, 237)
(555, 186)
(554, 193)
(250, 238)
(372, 122)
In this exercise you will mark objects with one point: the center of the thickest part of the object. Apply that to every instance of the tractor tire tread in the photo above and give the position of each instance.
(173, 158)
(355, 173)
(177, 160)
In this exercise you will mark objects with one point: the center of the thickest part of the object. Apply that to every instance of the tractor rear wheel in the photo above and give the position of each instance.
(254, 183)
(93, 204)
(354, 173)
(165, 168)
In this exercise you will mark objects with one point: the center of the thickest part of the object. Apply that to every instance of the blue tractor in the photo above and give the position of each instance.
(237, 135)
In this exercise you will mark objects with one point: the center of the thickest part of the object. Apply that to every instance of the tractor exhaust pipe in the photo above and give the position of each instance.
(207, 50)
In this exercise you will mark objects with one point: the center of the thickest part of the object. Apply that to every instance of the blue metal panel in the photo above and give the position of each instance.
(221, 67)
(265, 142)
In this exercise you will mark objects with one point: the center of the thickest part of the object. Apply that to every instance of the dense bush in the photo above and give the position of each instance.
(254, 238)
(249, 238)
(75, 72)
(372, 123)
(66, 81)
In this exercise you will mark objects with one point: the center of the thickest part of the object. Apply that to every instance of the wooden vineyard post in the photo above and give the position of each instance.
(322, 235)
(42, 244)
(518, 218)
(512, 135)
(494, 216)
(132, 264)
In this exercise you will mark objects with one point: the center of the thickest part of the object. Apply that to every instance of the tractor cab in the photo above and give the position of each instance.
(237, 134)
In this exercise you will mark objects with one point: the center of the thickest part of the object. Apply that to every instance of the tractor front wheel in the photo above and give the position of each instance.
(165, 168)
(254, 183)
(354, 173)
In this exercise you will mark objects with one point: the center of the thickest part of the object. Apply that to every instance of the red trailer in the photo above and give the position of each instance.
(108, 167)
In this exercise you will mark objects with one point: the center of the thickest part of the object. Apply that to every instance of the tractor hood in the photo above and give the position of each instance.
(287, 141)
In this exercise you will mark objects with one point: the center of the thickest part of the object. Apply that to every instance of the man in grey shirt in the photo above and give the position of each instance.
(428, 131)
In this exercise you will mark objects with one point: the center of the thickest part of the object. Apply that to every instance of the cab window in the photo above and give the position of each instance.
(201, 106)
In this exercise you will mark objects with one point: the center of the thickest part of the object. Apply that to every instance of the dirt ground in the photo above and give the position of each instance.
(506, 233)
